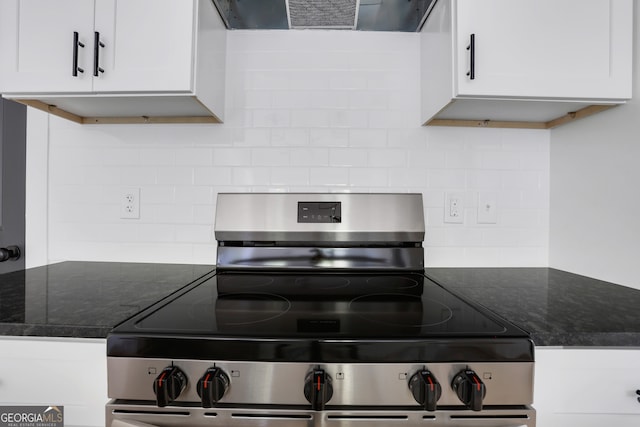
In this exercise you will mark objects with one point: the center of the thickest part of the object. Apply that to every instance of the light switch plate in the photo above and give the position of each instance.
(487, 208)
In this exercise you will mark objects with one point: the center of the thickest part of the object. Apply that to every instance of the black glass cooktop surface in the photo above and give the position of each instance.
(327, 305)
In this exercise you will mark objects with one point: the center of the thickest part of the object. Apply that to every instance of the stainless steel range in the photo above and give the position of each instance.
(319, 314)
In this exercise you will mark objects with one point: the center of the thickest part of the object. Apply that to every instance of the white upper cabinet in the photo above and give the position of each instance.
(148, 45)
(106, 61)
(38, 47)
(488, 59)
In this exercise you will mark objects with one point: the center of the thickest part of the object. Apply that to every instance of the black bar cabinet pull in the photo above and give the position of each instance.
(96, 54)
(76, 43)
(472, 57)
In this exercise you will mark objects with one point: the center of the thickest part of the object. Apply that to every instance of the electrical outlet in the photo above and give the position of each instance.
(454, 207)
(487, 208)
(130, 203)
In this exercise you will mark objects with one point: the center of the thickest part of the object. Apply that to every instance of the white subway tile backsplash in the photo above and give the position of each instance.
(289, 176)
(193, 195)
(413, 138)
(307, 80)
(500, 160)
(525, 140)
(212, 176)
(329, 176)
(289, 137)
(266, 80)
(231, 156)
(256, 99)
(390, 158)
(271, 118)
(535, 160)
(250, 176)
(347, 119)
(427, 159)
(168, 175)
(460, 159)
(523, 180)
(271, 156)
(521, 218)
(329, 137)
(190, 233)
(157, 232)
(407, 177)
(371, 178)
(153, 194)
(446, 179)
(204, 214)
(348, 157)
(492, 236)
(392, 119)
(433, 199)
(346, 80)
(167, 213)
(306, 111)
(194, 157)
(368, 100)
(309, 156)
(157, 157)
(309, 118)
(367, 138)
(484, 179)
(252, 137)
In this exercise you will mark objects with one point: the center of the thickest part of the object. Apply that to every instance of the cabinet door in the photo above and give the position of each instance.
(148, 45)
(544, 48)
(587, 387)
(56, 371)
(37, 45)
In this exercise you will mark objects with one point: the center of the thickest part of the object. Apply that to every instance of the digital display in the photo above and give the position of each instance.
(320, 212)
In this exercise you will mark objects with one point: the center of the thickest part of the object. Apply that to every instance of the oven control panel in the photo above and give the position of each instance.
(319, 212)
(427, 386)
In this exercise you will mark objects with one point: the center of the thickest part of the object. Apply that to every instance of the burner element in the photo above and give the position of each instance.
(400, 310)
(242, 309)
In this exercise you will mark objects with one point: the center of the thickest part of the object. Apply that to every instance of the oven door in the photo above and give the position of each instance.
(138, 414)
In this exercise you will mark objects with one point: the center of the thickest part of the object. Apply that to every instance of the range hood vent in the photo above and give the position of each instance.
(334, 14)
(362, 15)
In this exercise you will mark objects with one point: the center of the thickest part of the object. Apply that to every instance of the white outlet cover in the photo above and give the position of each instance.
(130, 203)
(454, 202)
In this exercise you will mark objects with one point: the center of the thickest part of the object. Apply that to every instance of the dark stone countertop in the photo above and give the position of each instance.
(85, 299)
(556, 307)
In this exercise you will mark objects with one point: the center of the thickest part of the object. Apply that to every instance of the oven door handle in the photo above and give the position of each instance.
(130, 423)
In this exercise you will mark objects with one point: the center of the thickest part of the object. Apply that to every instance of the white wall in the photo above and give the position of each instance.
(306, 111)
(595, 191)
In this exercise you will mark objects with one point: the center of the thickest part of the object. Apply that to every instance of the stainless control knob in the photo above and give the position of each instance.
(470, 389)
(318, 389)
(168, 385)
(426, 389)
(212, 386)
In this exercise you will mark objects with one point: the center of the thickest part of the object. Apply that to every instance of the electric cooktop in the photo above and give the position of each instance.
(346, 306)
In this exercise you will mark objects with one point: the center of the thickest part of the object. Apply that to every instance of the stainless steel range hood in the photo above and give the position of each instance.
(363, 15)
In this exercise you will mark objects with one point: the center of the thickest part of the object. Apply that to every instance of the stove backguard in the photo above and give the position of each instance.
(320, 231)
